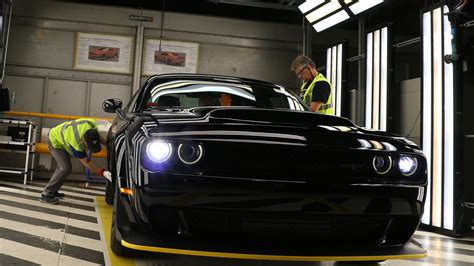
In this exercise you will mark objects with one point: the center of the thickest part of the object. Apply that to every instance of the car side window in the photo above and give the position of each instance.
(132, 102)
(279, 102)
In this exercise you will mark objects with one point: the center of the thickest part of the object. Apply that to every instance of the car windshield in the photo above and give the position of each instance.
(197, 93)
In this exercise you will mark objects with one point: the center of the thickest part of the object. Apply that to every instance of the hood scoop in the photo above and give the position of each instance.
(278, 117)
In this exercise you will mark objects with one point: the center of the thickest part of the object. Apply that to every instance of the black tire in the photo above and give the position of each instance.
(115, 244)
(110, 186)
(109, 193)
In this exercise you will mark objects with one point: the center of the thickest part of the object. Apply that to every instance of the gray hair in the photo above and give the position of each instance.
(301, 61)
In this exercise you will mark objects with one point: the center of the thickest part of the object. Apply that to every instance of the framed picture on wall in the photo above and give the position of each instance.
(170, 57)
(105, 53)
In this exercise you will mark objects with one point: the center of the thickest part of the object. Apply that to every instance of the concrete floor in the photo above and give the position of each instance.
(72, 233)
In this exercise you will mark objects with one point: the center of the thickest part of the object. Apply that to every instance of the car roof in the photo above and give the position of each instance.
(206, 77)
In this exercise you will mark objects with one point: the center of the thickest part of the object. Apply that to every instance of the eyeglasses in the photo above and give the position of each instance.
(298, 73)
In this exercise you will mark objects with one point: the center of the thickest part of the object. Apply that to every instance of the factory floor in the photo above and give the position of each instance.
(76, 232)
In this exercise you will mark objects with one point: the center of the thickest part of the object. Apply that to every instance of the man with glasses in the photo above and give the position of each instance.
(316, 89)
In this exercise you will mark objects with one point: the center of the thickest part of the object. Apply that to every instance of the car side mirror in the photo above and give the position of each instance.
(111, 105)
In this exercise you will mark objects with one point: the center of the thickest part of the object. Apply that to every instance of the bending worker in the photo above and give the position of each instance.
(316, 89)
(77, 138)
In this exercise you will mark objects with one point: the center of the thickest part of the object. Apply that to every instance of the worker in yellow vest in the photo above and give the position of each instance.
(316, 89)
(78, 139)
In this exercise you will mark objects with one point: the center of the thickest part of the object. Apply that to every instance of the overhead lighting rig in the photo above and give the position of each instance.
(336, 73)
(438, 118)
(323, 14)
(377, 76)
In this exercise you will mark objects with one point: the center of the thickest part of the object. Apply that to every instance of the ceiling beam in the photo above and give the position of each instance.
(259, 4)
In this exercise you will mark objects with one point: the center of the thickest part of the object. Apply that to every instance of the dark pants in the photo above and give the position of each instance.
(63, 169)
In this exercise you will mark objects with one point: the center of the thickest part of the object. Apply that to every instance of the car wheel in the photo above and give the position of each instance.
(109, 193)
(115, 243)
(109, 186)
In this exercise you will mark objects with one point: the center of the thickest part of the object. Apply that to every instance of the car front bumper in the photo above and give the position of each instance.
(256, 213)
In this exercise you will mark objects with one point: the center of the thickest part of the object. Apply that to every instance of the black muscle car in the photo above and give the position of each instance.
(210, 164)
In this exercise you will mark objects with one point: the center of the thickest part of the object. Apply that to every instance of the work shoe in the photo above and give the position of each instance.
(48, 199)
(56, 195)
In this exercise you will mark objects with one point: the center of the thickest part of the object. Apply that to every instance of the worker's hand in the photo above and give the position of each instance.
(108, 175)
(101, 171)
(105, 174)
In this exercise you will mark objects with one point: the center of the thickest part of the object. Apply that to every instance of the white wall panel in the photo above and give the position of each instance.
(67, 97)
(247, 62)
(60, 10)
(28, 92)
(38, 47)
(229, 27)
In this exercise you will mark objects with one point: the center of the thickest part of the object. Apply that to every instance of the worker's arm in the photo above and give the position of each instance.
(315, 106)
(91, 166)
(321, 94)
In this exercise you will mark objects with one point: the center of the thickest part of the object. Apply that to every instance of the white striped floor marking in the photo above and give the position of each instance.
(38, 255)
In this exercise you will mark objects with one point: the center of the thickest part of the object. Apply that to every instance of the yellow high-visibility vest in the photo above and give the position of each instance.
(327, 107)
(70, 133)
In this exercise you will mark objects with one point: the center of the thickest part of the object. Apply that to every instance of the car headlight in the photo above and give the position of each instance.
(382, 164)
(407, 165)
(190, 153)
(159, 151)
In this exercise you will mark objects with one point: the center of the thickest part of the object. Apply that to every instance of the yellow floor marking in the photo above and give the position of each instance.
(270, 257)
(105, 212)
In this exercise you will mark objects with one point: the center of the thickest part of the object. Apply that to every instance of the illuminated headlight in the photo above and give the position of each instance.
(159, 151)
(407, 165)
(382, 164)
(190, 153)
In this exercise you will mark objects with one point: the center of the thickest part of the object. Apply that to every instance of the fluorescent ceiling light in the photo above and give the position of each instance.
(437, 114)
(438, 118)
(449, 129)
(323, 11)
(310, 4)
(363, 5)
(339, 81)
(426, 127)
(377, 79)
(334, 74)
(331, 21)
(328, 63)
(383, 78)
(327, 13)
(369, 80)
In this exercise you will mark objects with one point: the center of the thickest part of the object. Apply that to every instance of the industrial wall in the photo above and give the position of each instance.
(467, 93)
(40, 62)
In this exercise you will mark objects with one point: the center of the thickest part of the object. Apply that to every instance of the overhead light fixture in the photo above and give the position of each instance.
(336, 74)
(310, 4)
(331, 21)
(362, 5)
(377, 85)
(437, 120)
(323, 14)
(323, 11)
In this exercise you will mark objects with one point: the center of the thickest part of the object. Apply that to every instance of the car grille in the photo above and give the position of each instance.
(247, 162)
(349, 228)
(299, 227)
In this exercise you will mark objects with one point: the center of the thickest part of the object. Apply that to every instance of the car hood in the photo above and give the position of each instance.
(252, 116)
(286, 126)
